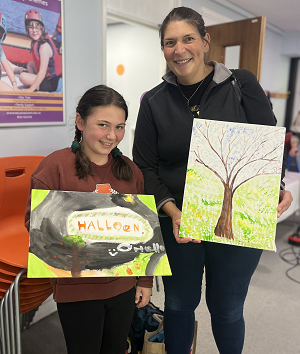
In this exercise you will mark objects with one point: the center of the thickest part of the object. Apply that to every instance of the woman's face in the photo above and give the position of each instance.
(35, 30)
(101, 132)
(184, 51)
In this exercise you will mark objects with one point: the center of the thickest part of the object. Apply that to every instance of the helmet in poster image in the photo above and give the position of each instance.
(34, 15)
(3, 27)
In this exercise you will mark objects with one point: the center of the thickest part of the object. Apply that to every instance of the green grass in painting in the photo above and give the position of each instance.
(252, 227)
(163, 267)
(138, 267)
(37, 268)
(148, 200)
(37, 196)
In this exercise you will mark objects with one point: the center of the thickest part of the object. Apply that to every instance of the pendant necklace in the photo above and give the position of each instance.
(188, 99)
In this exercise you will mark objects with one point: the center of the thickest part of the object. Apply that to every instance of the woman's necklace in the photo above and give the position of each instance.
(188, 99)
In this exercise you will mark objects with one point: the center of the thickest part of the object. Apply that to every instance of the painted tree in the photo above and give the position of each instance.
(236, 154)
(74, 245)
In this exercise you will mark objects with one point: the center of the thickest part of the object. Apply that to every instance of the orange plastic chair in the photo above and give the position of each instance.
(15, 175)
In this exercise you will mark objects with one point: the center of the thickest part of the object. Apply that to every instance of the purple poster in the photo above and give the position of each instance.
(31, 80)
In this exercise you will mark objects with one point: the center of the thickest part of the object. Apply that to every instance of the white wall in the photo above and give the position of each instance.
(83, 55)
(291, 44)
(275, 72)
(137, 48)
(83, 33)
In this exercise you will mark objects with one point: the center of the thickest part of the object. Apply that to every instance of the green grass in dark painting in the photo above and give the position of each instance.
(254, 214)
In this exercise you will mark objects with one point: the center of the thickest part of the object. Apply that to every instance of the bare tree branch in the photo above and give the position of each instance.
(274, 159)
(209, 143)
(199, 160)
(261, 136)
(246, 149)
(248, 179)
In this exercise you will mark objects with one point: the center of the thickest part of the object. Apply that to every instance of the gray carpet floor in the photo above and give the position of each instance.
(272, 309)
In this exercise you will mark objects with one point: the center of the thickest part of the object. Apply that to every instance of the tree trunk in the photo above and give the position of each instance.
(224, 224)
(76, 267)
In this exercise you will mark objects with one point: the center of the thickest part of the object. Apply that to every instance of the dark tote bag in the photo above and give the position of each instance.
(143, 320)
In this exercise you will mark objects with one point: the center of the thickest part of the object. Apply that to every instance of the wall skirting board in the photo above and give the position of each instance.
(46, 309)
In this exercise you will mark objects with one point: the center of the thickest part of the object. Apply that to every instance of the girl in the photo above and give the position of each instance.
(46, 69)
(95, 313)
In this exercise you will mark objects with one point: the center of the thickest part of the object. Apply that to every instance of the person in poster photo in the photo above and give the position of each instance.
(45, 70)
(5, 65)
(56, 35)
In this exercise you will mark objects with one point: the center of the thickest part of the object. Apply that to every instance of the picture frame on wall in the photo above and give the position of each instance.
(32, 65)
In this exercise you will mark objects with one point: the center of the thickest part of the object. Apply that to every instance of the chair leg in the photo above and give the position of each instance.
(10, 336)
(17, 312)
(5, 324)
(2, 331)
(11, 316)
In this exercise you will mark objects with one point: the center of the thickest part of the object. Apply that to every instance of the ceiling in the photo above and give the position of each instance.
(283, 14)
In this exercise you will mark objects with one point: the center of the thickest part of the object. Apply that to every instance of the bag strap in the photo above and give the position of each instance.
(236, 85)
(160, 320)
(237, 89)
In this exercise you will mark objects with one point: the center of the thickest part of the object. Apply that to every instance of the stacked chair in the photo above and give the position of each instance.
(19, 296)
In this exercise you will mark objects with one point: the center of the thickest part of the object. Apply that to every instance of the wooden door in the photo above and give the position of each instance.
(248, 34)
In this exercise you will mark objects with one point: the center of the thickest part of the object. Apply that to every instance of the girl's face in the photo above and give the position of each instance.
(184, 51)
(35, 30)
(101, 132)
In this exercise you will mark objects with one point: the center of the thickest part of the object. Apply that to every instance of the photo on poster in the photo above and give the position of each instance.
(76, 234)
(232, 183)
(31, 49)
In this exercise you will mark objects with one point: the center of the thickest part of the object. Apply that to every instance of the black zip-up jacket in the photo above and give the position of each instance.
(164, 126)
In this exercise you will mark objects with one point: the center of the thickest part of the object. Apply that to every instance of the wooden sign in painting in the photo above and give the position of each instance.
(74, 234)
(232, 183)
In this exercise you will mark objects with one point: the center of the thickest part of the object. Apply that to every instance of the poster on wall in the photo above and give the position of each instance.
(31, 83)
(232, 183)
(77, 234)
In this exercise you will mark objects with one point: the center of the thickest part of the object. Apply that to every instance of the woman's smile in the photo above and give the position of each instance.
(183, 61)
(184, 51)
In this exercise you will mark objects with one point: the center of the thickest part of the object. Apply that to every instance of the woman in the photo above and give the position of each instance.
(195, 88)
(95, 313)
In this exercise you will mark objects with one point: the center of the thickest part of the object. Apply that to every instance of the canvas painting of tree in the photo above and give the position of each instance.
(232, 183)
(76, 234)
